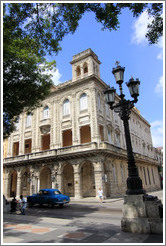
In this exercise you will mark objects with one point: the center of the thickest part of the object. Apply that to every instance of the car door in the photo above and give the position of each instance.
(45, 197)
(38, 198)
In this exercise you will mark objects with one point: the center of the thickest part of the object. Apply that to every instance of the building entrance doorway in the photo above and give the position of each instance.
(87, 180)
(13, 183)
(45, 178)
(68, 180)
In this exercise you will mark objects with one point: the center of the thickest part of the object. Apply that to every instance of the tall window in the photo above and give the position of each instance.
(28, 121)
(78, 71)
(45, 142)
(85, 67)
(66, 107)
(117, 139)
(83, 102)
(15, 148)
(67, 138)
(85, 134)
(46, 113)
(109, 137)
(28, 146)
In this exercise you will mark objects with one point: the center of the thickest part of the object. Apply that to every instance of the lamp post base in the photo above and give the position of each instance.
(142, 215)
(134, 186)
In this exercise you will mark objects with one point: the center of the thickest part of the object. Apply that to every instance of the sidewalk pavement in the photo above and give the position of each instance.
(97, 227)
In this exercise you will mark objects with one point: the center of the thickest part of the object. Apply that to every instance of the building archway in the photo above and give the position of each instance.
(68, 180)
(45, 178)
(87, 180)
(13, 183)
(25, 182)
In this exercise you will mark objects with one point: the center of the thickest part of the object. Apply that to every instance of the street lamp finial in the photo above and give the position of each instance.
(117, 63)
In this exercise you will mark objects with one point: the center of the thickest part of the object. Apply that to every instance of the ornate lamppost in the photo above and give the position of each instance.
(123, 108)
(140, 211)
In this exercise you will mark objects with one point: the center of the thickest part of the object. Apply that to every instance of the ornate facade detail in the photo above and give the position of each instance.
(79, 148)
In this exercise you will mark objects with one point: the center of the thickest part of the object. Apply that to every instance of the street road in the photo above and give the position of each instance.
(83, 221)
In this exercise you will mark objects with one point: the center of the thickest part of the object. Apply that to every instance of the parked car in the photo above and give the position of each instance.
(48, 196)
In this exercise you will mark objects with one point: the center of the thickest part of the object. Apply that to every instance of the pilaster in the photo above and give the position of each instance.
(18, 191)
(6, 184)
(94, 122)
(77, 180)
(98, 173)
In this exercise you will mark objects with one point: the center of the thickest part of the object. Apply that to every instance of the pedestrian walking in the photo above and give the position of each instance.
(100, 192)
(23, 204)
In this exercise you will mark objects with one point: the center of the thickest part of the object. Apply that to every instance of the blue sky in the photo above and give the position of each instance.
(129, 46)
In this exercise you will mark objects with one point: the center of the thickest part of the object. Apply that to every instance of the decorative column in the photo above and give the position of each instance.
(77, 181)
(6, 184)
(98, 173)
(32, 182)
(59, 177)
(93, 112)
(18, 191)
(75, 125)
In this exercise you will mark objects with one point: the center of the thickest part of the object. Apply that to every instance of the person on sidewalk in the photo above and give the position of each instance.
(23, 204)
(100, 192)
(13, 205)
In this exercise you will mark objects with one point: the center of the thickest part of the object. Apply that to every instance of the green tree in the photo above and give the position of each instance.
(33, 30)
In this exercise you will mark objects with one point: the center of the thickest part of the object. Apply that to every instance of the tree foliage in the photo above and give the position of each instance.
(33, 30)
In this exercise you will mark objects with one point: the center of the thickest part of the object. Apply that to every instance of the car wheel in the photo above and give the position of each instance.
(61, 205)
(50, 204)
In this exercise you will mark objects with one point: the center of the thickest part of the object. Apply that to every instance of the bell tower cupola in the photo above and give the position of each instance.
(84, 64)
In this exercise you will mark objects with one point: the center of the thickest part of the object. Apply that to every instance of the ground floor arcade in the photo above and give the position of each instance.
(78, 177)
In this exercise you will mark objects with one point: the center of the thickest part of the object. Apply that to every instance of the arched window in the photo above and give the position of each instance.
(46, 113)
(28, 121)
(85, 68)
(66, 107)
(78, 71)
(83, 102)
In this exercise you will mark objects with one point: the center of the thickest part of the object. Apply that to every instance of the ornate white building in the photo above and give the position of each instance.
(74, 142)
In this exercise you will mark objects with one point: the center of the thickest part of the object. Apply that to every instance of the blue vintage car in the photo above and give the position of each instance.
(48, 196)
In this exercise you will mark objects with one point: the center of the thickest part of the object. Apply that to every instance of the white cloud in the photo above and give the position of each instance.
(55, 74)
(160, 46)
(159, 87)
(157, 133)
(140, 28)
(56, 77)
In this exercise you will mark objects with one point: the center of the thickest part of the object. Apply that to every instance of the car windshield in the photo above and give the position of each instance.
(57, 192)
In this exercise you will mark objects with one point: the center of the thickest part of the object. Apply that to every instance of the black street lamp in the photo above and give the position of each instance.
(123, 108)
